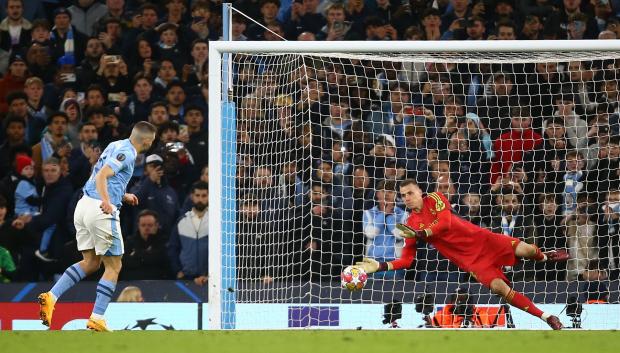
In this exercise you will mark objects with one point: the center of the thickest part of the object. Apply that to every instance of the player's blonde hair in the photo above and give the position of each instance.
(130, 294)
(143, 130)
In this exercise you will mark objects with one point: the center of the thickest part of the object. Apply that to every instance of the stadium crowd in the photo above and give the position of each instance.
(528, 150)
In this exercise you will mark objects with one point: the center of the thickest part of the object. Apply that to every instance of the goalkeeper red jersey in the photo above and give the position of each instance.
(465, 244)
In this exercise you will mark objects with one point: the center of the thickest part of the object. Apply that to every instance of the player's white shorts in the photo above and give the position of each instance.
(97, 230)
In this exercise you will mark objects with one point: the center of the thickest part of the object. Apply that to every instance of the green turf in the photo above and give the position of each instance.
(429, 341)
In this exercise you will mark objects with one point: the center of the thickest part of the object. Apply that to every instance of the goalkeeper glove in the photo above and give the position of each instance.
(408, 232)
(368, 265)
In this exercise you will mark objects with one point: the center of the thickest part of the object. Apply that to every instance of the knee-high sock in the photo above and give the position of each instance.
(105, 291)
(522, 302)
(73, 274)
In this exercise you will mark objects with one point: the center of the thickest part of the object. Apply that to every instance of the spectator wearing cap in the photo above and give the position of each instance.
(65, 38)
(475, 28)
(53, 142)
(532, 28)
(85, 14)
(138, 105)
(14, 135)
(145, 252)
(156, 194)
(576, 24)
(84, 155)
(304, 17)
(14, 29)
(14, 79)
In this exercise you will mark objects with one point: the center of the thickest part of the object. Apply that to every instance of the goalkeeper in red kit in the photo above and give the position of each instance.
(476, 250)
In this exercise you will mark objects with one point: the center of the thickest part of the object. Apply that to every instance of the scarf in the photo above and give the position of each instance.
(572, 186)
(508, 228)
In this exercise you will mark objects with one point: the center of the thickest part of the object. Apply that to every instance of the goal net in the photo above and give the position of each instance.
(308, 148)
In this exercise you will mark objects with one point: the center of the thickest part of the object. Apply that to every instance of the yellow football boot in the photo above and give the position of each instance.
(46, 308)
(97, 325)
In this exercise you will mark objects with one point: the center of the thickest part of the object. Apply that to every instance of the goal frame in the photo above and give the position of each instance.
(222, 135)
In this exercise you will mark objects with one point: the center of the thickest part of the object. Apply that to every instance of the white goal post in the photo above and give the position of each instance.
(224, 153)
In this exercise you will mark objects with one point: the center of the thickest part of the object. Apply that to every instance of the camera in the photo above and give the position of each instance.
(574, 310)
(391, 313)
(425, 304)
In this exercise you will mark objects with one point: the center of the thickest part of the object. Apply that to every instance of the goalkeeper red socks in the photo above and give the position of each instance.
(539, 256)
(522, 302)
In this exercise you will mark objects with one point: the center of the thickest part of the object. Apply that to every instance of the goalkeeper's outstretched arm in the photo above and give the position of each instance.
(405, 261)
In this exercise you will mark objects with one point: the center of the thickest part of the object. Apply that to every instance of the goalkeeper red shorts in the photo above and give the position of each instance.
(499, 251)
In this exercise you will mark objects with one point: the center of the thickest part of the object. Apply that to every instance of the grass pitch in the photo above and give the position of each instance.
(301, 341)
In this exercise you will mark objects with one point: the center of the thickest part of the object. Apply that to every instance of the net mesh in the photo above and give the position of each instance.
(523, 144)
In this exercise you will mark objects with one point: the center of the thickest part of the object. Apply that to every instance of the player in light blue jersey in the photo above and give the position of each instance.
(96, 220)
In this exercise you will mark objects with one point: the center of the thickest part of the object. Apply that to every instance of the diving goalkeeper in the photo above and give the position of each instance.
(476, 250)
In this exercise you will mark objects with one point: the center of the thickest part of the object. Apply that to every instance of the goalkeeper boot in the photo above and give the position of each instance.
(557, 255)
(46, 308)
(97, 325)
(554, 322)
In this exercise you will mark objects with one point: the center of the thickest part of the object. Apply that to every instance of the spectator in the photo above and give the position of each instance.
(475, 28)
(196, 70)
(65, 38)
(573, 181)
(18, 107)
(166, 74)
(470, 209)
(57, 191)
(550, 234)
(511, 146)
(141, 59)
(156, 194)
(130, 294)
(532, 28)
(304, 17)
(238, 28)
(169, 46)
(85, 14)
(202, 24)
(506, 30)
(175, 11)
(189, 240)
(145, 256)
(111, 36)
(94, 97)
(510, 217)
(268, 16)
(33, 87)
(383, 242)
(71, 107)
(583, 25)
(15, 130)
(54, 141)
(13, 81)
(609, 230)
(431, 24)
(84, 156)
(158, 113)
(541, 88)
(494, 107)
(175, 97)
(14, 29)
(336, 28)
(112, 77)
(595, 284)
(581, 236)
(576, 128)
(137, 106)
(40, 32)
